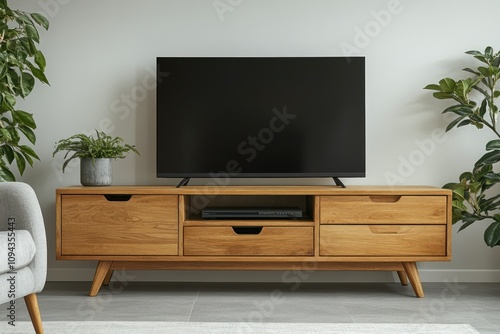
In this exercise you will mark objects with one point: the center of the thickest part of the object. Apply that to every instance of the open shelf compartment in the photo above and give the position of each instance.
(194, 204)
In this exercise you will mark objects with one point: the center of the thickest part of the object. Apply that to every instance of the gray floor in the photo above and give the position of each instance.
(477, 304)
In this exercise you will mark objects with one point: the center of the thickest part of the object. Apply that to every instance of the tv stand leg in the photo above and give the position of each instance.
(338, 182)
(107, 279)
(184, 182)
(102, 270)
(403, 278)
(412, 273)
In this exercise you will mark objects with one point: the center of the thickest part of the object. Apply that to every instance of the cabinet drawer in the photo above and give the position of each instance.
(119, 225)
(383, 209)
(248, 241)
(382, 240)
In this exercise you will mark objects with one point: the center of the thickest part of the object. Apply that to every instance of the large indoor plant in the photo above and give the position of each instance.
(21, 63)
(95, 155)
(474, 98)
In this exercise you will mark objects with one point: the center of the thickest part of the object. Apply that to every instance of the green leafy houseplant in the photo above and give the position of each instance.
(83, 146)
(475, 98)
(20, 64)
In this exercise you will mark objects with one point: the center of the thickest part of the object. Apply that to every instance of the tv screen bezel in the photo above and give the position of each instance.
(228, 172)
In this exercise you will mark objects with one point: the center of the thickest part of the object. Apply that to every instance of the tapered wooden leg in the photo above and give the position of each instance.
(403, 278)
(36, 319)
(100, 274)
(108, 277)
(412, 273)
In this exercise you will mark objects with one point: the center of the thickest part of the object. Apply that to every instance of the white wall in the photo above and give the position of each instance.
(101, 53)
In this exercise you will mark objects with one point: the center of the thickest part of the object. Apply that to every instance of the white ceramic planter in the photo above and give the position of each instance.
(98, 172)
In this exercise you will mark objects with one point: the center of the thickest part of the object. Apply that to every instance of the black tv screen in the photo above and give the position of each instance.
(260, 117)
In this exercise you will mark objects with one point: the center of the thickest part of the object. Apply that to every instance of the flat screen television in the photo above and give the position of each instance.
(260, 117)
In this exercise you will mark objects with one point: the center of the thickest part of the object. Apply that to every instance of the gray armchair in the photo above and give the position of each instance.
(23, 250)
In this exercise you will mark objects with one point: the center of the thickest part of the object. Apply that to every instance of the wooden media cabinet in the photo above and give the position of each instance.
(160, 227)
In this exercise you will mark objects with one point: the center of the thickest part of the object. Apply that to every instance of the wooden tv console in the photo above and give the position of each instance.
(160, 227)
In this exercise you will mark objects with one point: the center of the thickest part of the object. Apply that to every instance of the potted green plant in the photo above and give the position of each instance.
(21, 64)
(474, 98)
(95, 156)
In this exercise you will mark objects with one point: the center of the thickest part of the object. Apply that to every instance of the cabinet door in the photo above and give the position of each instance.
(385, 209)
(119, 224)
(236, 241)
(382, 240)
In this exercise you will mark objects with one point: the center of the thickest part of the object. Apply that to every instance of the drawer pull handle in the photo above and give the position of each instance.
(247, 230)
(387, 229)
(385, 199)
(118, 197)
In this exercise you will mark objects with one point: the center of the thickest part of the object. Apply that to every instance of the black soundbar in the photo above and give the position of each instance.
(251, 213)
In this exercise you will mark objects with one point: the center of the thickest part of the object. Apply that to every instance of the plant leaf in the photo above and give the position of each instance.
(471, 71)
(30, 135)
(453, 123)
(493, 145)
(3, 70)
(488, 52)
(465, 175)
(442, 95)
(433, 87)
(458, 205)
(489, 158)
(40, 20)
(459, 109)
(480, 171)
(488, 204)
(493, 177)
(40, 60)
(483, 108)
(39, 75)
(464, 123)
(22, 18)
(447, 85)
(9, 153)
(484, 71)
(5, 135)
(27, 83)
(24, 118)
(32, 33)
(465, 225)
(21, 162)
(482, 91)
(27, 46)
(6, 175)
(29, 151)
(28, 158)
(456, 215)
(474, 53)
(459, 193)
(492, 234)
